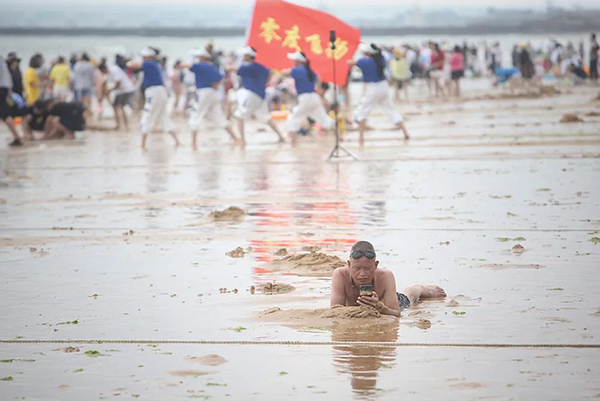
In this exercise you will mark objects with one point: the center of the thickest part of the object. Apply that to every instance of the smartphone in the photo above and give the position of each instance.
(365, 290)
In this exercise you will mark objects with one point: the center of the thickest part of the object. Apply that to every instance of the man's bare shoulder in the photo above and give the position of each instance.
(341, 272)
(386, 275)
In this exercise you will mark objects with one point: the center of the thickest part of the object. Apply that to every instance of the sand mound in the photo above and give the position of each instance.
(276, 288)
(593, 114)
(281, 252)
(453, 304)
(422, 324)
(232, 213)
(335, 312)
(236, 253)
(518, 248)
(337, 315)
(312, 264)
(570, 118)
(189, 373)
(547, 90)
(419, 314)
(532, 93)
(210, 360)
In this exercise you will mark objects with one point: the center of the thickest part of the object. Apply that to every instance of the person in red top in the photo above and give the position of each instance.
(437, 68)
(457, 68)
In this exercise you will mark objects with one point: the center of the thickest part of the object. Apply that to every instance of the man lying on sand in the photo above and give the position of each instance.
(362, 271)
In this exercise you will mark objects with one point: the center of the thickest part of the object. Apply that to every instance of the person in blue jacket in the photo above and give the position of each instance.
(377, 89)
(309, 102)
(251, 96)
(208, 105)
(156, 95)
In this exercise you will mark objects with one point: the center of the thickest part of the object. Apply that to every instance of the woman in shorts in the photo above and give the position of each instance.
(457, 69)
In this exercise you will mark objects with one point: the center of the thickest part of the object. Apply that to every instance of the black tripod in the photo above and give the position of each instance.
(335, 153)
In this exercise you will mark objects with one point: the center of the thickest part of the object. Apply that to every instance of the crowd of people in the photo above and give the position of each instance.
(54, 100)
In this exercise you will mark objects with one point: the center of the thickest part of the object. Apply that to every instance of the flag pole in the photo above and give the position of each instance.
(335, 153)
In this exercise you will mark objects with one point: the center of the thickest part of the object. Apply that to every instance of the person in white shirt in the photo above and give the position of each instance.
(83, 80)
(124, 90)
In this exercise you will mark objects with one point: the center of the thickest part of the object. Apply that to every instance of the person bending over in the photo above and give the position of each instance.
(362, 271)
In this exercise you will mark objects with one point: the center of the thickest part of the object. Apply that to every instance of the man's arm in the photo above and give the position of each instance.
(390, 297)
(338, 292)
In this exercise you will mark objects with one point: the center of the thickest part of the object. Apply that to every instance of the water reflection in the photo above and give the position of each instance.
(157, 180)
(364, 362)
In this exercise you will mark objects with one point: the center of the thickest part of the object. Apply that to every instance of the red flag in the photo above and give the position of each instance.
(278, 28)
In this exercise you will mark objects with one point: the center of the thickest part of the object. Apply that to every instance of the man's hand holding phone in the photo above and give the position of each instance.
(372, 300)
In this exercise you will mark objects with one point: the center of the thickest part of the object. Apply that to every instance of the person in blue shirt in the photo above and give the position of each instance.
(251, 96)
(503, 75)
(208, 104)
(156, 95)
(309, 102)
(377, 90)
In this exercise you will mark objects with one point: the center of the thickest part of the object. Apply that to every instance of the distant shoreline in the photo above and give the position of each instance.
(535, 27)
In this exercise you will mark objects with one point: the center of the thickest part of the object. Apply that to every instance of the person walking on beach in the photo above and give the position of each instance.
(309, 102)
(123, 89)
(594, 47)
(457, 68)
(377, 90)
(84, 81)
(6, 85)
(156, 96)
(251, 97)
(208, 105)
(438, 59)
(526, 64)
(400, 70)
(60, 76)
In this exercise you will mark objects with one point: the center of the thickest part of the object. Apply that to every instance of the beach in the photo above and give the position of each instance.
(493, 198)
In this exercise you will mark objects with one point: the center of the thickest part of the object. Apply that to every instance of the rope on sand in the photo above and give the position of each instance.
(376, 344)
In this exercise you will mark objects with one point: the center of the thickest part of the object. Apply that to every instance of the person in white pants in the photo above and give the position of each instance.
(251, 97)
(208, 103)
(309, 103)
(377, 90)
(156, 94)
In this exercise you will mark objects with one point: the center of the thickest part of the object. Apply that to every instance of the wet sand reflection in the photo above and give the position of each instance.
(364, 362)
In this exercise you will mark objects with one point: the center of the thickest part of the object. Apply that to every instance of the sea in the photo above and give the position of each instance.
(178, 47)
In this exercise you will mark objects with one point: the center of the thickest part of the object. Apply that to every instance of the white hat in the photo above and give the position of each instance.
(147, 52)
(200, 53)
(297, 56)
(367, 48)
(248, 51)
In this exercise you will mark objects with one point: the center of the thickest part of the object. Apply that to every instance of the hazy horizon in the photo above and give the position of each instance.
(531, 4)
(235, 13)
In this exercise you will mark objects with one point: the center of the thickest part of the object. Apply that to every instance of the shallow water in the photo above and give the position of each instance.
(97, 231)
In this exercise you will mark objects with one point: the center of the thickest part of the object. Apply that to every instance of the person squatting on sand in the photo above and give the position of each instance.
(362, 270)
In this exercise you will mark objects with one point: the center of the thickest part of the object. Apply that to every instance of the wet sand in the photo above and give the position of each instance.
(99, 240)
